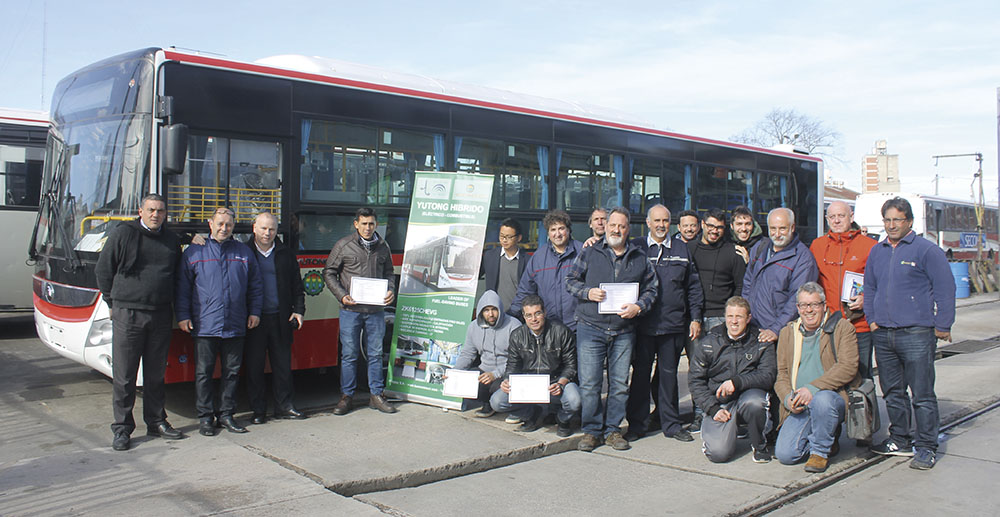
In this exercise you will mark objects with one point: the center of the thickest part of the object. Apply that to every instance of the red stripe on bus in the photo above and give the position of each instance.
(60, 313)
(46, 122)
(268, 70)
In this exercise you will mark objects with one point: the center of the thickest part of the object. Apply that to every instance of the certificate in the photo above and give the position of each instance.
(462, 383)
(369, 291)
(617, 295)
(529, 388)
(854, 284)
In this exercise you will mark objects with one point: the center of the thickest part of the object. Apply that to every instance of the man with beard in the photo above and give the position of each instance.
(778, 267)
(688, 226)
(545, 274)
(608, 337)
(486, 341)
(664, 331)
(745, 231)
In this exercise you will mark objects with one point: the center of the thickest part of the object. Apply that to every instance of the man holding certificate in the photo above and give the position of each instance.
(359, 273)
(541, 366)
(844, 252)
(611, 269)
(486, 340)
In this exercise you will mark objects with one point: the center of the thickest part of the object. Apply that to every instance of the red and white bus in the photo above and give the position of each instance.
(313, 139)
(949, 223)
(22, 152)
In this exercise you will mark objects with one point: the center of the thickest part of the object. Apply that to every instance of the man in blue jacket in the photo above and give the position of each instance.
(219, 297)
(545, 273)
(906, 278)
(604, 336)
(778, 267)
(663, 331)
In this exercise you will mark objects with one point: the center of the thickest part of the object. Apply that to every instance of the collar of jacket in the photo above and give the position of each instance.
(630, 247)
(847, 236)
(908, 238)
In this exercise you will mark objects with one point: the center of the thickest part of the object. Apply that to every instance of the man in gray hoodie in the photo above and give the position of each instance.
(487, 339)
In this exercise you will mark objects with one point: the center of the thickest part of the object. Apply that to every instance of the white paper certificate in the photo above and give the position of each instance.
(369, 291)
(853, 284)
(462, 383)
(529, 388)
(617, 295)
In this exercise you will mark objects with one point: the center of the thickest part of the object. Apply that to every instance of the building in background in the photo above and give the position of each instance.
(880, 170)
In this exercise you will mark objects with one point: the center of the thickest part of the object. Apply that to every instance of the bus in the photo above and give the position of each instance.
(22, 151)
(949, 223)
(447, 262)
(314, 139)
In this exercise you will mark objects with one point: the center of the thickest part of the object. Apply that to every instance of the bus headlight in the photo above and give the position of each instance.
(100, 333)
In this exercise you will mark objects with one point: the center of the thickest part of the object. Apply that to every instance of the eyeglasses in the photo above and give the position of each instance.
(893, 220)
(507, 237)
(533, 315)
(715, 227)
(814, 305)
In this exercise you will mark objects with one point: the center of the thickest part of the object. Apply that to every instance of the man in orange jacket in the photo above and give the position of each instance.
(845, 248)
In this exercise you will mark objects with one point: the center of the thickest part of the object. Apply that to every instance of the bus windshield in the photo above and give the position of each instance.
(97, 160)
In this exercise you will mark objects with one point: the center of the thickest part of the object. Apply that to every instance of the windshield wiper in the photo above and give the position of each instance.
(50, 207)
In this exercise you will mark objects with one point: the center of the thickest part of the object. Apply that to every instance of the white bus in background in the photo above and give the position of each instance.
(949, 223)
(22, 152)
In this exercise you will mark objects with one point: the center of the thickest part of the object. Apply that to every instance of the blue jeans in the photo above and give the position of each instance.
(351, 324)
(710, 322)
(812, 431)
(593, 347)
(906, 360)
(865, 354)
(566, 405)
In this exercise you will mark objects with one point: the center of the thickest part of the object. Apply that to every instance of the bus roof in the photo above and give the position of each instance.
(363, 77)
(24, 117)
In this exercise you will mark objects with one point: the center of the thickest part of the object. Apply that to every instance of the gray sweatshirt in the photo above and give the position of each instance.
(488, 343)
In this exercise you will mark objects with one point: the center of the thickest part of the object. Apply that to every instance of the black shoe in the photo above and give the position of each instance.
(343, 406)
(484, 412)
(742, 433)
(291, 414)
(121, 441)
(633, 435)
(164, 430)
(258, 419)
(682, 436)
(565, 429)
(761, 455)
(378, 402)
(695, 426)
(207, 427)
(230, 424)
(529, 426)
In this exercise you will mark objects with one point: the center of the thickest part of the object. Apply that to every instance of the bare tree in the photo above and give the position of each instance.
(787, 126)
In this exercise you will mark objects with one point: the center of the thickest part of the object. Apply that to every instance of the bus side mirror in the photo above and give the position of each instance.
(173, 148)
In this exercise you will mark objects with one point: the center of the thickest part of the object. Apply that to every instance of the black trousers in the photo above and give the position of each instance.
(265, 341)
(139, 334)
(230, 350)
(665, 351)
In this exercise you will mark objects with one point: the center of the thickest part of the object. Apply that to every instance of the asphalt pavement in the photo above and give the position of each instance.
(56, 459)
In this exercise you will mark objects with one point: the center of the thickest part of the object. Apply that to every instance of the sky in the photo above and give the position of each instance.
(921, 75)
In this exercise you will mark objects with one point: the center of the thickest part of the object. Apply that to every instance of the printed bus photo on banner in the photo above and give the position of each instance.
(437, 283)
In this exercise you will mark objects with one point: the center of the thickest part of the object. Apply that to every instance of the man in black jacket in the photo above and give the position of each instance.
(730, 376)
(284, 306)
(720, 267)
(503, 269)
(541, 347)
(136, 272)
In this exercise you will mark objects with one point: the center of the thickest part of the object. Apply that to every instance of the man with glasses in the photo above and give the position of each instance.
(604, 337)
(219, 296)
(910, 304)
(845, 249)
(503, 270)
(817, 363)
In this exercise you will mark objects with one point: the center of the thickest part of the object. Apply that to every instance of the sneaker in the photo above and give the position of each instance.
(924, 459)
(484, 412)
(588, 443)
(617, 442)
(816, 463)
(695, 426)
(761, 455)
(742, 433)
(565, 429)
(633, 435)
(890, 448)
(529, 426)
(512, 419)
(121, 441)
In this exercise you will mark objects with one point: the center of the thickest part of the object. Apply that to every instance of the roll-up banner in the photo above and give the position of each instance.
(437, 283)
